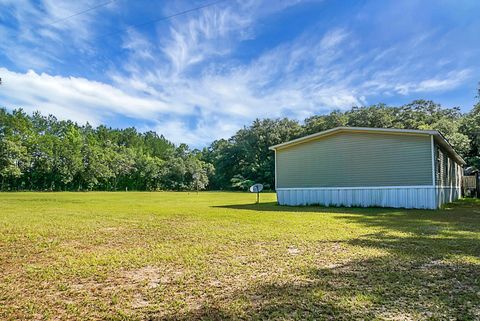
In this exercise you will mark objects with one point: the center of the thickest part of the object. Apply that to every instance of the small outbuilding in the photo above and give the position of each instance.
(355, 166)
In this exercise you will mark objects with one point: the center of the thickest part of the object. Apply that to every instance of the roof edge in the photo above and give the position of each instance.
(365, 129)
(439, 137)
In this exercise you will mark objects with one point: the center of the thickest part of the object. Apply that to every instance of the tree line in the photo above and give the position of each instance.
(43, 153)
(39, 152)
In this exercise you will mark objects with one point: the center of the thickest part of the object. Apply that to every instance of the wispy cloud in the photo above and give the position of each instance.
(314, 73)
(33, 39)
(187, 79)
(448, 81)
(75, 98)
(211, 34)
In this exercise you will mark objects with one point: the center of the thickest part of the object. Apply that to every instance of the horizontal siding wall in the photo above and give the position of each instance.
(448, 172)
(409, 197)
(355, 160)
(448, 178)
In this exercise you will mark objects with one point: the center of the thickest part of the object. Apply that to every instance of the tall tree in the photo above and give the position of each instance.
(13, 159)
(43, 153)
(471, 127)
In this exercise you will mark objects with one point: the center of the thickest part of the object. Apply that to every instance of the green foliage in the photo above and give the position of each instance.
(245, 156)
(13, 157)
(43, 153)
(471, 128)
(240, 182)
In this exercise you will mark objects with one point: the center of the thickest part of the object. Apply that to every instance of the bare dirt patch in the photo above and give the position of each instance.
(148, 275)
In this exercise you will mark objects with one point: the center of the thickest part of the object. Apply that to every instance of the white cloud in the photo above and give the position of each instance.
(213, 32)
(333, 38)
(448, 81)
(37, 36)
(78, 99)
(202, 135)
(185, 82)
(312, 74)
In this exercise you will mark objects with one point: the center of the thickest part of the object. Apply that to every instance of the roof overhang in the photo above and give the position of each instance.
(439, 138)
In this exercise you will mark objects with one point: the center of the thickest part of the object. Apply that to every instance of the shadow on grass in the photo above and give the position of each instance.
(274, 207)
(360, 290)
(430, 273)
(465, 204)
(462, 215)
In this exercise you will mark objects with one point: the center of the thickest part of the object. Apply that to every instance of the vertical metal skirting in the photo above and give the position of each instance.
(447, 195)
(427, 197)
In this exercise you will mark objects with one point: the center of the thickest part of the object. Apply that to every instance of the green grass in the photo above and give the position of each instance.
(216, 256)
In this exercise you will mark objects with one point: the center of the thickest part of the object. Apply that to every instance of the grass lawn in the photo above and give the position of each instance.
(215, 256)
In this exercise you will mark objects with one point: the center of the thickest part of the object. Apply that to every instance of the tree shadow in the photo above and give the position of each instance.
(462, 215)
(378, 288)
(275, 207)
(430, 271)
(268, 302)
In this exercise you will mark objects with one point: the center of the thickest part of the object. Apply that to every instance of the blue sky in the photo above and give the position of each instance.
(203, 75)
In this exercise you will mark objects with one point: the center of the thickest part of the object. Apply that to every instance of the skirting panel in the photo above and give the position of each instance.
(447, 195)
(423, 197)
